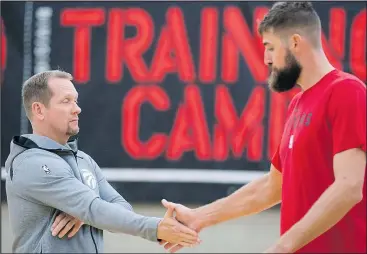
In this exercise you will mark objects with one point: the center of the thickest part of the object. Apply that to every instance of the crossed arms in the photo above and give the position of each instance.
(61, 190)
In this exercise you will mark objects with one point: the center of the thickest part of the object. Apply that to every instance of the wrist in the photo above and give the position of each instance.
(157, 236)
(201, 220)
(291, 240)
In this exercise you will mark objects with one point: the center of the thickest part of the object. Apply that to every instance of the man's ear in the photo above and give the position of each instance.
(38, 110)
(294, 42)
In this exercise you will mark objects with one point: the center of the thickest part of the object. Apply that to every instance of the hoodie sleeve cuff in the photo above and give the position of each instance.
(151, 229)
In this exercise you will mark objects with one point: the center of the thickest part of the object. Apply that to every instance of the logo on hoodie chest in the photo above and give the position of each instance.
(88, 178)
(46, 169)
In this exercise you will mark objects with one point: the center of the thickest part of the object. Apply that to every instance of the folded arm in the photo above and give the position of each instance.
(60, 189)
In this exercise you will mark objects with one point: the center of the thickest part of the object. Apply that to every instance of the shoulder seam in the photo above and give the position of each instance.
(20, 163)
(28, 156)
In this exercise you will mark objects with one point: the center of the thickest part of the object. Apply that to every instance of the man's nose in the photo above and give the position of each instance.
(77, 109)
(267, 59)
(267, 62)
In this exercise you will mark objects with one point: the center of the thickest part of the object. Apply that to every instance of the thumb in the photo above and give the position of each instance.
(169, 213)
(167, 204)
(170, 208)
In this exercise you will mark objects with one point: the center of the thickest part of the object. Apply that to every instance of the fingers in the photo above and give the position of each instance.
(169, 245)
(63, 224)
(174, 232)
(186, 244)
(172, 248)
(185, 234)
(162, 242)
(176, 248)
(58, 219)
(67, 228)
(56, 230)
(186, 230)
(75, 229)
(188, 239)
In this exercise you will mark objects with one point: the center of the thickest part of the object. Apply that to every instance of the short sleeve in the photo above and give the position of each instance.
(276, 160)
(347, 116)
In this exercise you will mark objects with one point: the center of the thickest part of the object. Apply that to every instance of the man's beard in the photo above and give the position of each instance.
(72, 132)
(282, 80)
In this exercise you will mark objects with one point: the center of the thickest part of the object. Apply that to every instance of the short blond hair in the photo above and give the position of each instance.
(36, 89)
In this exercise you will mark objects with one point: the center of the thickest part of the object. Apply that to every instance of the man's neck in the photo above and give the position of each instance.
(62, 141)
(314, 70)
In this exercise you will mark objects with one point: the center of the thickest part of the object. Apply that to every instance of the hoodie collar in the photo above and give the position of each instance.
(36, 141)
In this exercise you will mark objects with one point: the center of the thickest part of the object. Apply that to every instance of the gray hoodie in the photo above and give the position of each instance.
(45, 178)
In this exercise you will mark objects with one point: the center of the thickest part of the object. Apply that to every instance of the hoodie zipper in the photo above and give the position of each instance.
(91, 233)
(90, 227)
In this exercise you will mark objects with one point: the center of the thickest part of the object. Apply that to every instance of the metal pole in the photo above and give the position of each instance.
(27, 58)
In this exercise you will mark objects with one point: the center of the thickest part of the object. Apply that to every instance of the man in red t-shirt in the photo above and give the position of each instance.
(318, 171)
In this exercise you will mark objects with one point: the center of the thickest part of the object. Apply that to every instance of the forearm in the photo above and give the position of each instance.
(109, 194)
(249, 199)
(69, 195)
(115, 218)
(123, 203)
(329, 209)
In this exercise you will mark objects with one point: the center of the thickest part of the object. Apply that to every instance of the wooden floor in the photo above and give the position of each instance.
(251, 234)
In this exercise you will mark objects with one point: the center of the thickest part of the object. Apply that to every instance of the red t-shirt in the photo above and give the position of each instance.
(322, 121)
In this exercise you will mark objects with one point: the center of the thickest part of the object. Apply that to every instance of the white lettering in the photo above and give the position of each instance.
(291, 142)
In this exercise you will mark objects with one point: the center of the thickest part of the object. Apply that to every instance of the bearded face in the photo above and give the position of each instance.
(284, 79)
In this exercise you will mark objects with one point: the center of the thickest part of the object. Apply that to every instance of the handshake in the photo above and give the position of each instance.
(173, 232)
(176, 232)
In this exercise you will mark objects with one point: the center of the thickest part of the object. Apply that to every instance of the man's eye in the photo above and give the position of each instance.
(66, 101)
(270, 49)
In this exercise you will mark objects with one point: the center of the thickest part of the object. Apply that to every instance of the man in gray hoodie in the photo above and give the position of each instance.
(48, 178)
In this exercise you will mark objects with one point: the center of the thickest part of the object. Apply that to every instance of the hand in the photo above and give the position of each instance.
(63, 223)
(184, 215)
(172, 231)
